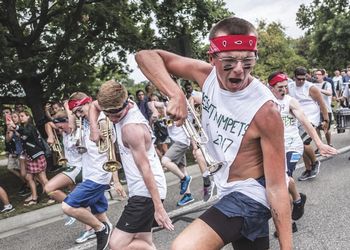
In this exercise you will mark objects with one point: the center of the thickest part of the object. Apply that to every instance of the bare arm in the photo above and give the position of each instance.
(316, 96)
(49, 127)
(138, 139)
(117, 185)
(94, 112)
(299, 114)
(157, 65)
(270, 127)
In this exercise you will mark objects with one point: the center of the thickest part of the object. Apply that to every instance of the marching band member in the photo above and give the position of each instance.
(90, 192)
(143, 171)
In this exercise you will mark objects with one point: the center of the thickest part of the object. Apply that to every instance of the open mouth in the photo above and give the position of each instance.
(235, 80)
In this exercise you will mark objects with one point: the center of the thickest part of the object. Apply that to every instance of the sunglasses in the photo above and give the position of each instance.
(116, 110)
(301, 79)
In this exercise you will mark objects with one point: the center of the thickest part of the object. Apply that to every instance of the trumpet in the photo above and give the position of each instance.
(78, 135)
(58, 148)
(194, 130)
(105, 144)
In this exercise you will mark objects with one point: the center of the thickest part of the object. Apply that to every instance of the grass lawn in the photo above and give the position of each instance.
(12, 184)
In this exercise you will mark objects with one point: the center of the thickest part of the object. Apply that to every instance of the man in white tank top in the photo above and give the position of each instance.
(312, 104)
(143, 171)
(291, 112)
(245, 132)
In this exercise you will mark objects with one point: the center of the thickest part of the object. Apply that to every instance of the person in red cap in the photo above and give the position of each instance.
(291, 114)
(90, 192)
(245, 132)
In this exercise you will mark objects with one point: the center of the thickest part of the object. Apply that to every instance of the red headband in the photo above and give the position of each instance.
(278, 78)
(76, 103)
(232, 42)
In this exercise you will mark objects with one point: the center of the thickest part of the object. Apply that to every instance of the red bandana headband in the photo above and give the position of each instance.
(76, 103)
(278, 78)
(233, 42)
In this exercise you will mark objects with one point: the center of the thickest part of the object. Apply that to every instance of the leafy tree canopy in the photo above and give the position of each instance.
(328, 27)
(276, 51)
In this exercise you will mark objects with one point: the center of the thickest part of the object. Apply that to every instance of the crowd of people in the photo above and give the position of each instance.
(255, 148)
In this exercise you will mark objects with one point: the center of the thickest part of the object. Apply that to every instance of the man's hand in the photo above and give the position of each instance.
(162, 218)
(326, 150)
(118, 187)
(177, 109)
(325, 126)
(95, 134)
(50, 140)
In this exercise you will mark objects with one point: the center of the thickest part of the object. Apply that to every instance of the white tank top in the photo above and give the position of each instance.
(136, 185)
(292, 140)
(308, 105)
(92, 159)
(70, 151)
(226, 117)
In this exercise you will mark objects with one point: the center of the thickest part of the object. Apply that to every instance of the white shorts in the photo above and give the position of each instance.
(74, 173)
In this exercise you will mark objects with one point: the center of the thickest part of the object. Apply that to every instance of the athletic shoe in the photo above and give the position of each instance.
(307, 174)
(184, 184)
(24, 190)
(298, 208)
(315, 168)
(103, 237)
(86, 235)
(7, 209)
(208, 191)
(69, 221)
(186, 199)
(294, 229)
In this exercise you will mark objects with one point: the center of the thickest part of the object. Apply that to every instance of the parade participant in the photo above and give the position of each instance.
(291, 113)
(143, 171)
(245, 132)
(5, 200)
(72, 173)
(90, 192)
(311, 102)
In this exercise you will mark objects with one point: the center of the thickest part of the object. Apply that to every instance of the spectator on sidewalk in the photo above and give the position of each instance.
(16, 160)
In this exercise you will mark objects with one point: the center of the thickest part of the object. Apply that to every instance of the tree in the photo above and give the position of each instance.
(183, 25)
(328, 30)
(275, 51)
(50, 47)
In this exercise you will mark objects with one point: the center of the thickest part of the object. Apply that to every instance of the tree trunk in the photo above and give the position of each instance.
(34, 98)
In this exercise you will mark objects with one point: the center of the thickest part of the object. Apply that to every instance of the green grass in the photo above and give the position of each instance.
(12, 184)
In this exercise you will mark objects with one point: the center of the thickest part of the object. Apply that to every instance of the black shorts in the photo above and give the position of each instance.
(229, 230)
(138, 215)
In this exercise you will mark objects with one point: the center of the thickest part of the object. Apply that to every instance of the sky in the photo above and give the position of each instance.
(283, 11)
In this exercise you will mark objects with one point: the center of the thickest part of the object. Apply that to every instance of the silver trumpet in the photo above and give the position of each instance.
(194, 130)
(56, 146)
(105, 144)
(78, 135)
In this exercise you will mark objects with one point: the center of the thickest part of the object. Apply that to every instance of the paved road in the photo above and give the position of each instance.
(324, 226)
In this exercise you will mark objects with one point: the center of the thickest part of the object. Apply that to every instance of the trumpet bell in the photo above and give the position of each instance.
(111, 166)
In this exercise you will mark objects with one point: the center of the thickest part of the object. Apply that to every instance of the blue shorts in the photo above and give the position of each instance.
(89, 194)
(292, 158)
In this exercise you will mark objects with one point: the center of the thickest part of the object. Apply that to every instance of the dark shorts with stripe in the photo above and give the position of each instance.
(239, 220)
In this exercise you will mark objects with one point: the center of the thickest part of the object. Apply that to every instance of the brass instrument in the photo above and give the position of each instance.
(105, 144)
(78, 134)
(58, 148)
(194, 130)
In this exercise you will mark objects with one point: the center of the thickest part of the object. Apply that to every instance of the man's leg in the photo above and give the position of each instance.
(124, 240)
(52, 188)
(198, 235)
(83, 215)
